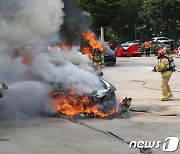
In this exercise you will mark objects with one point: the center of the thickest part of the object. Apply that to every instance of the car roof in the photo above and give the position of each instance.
(127, 44)
(159, 37)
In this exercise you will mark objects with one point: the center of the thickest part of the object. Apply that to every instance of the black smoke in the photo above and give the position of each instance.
(75, 22)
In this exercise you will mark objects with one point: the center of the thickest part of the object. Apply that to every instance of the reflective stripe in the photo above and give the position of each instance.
(1, 89)
(170, 95)
(164, 97)
(165, 74)
(97, 63)
(162, 64)
(161, 67)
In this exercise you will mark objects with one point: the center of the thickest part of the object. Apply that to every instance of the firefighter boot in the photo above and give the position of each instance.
(164, 98)
(170, 95)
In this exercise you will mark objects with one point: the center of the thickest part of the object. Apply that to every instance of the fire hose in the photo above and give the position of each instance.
(144, 83)
(108, 133)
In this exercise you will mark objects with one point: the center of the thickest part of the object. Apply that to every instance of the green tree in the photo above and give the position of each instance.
(117, 16)
(163, 17)
(125, 19)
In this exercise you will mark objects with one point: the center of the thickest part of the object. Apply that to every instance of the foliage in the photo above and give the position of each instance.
(125, 20)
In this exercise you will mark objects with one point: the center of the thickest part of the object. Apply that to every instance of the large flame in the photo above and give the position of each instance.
(93, 43)
(70, 105)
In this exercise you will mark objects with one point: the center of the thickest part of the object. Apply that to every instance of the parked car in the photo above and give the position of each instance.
(126, 45)
(109, 56)
(139, 41)
(159, 39)
(110, 45)
(128, 50)
(166, 43)
(179, 50)
(120, 52)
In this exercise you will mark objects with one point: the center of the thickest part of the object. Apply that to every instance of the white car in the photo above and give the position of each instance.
(159, 39)
(126, 45)
(166, 43)
(179, 50)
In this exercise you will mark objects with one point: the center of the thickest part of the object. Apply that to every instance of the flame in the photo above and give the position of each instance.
(91, 38)
(27, 61)
(87, 51)
(64, 47)
(70, 105)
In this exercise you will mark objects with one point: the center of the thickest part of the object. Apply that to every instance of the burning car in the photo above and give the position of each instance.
(66, 99)
(99, 103)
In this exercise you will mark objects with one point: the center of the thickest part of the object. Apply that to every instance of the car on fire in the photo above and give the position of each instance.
(99, 103)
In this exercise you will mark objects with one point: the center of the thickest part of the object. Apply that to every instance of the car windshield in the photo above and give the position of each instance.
(125, 44)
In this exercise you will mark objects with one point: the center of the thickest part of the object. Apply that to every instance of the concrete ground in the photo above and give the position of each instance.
(149, 118)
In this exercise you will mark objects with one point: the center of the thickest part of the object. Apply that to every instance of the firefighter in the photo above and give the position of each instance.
(98, 59)
(3, 87)
(166, 72)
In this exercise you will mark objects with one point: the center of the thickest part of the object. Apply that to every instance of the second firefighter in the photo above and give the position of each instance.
(98, 59)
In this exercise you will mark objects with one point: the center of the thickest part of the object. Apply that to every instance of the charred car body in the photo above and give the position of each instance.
(99, 103)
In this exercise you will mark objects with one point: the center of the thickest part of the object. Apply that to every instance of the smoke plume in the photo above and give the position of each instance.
(75, 22)
(26, 24)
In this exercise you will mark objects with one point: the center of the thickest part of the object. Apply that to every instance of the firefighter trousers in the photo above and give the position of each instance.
(97, 66)
(166, 91)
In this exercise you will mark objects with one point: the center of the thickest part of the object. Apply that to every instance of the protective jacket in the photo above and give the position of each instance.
(163, 67)
(98, 56)
(1, 88)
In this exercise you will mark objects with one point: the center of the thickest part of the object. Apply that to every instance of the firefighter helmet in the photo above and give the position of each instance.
(162, 52)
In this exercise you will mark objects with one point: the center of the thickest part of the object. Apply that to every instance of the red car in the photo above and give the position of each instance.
(128, 50)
